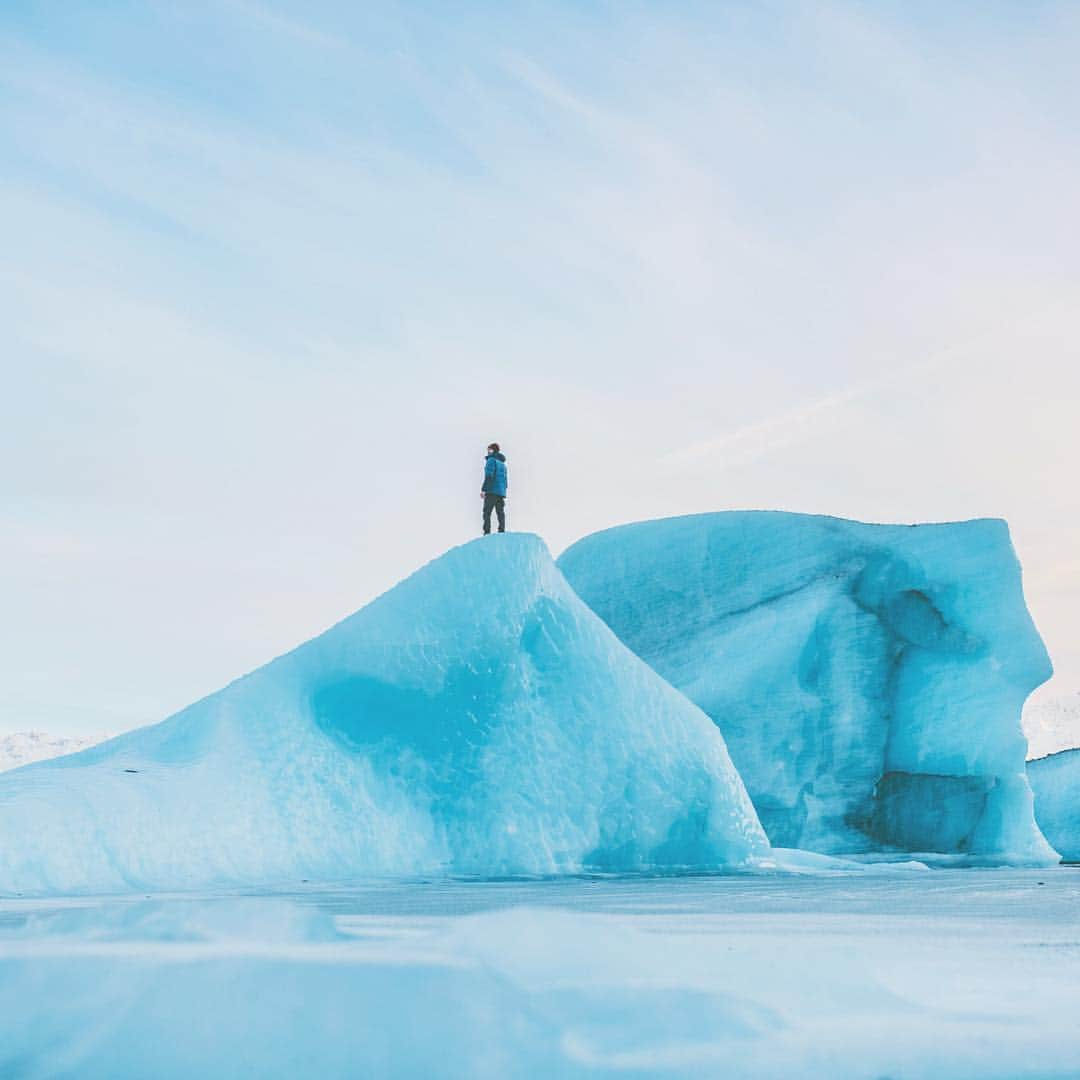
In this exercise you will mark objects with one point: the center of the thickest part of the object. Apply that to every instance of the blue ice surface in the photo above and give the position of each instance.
(952, 974)
(1055, 779)
(477, 719)
(868, 679)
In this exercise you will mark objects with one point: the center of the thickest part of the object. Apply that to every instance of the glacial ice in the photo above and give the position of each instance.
(944, 974)
(868, 679)
(478, 719)
(1055, 779)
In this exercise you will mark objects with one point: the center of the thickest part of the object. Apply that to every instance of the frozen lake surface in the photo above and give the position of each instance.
(943, 973)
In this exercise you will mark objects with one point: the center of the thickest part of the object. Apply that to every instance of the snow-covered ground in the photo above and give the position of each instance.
(1052, 725)
(950, 973)
(22, 747)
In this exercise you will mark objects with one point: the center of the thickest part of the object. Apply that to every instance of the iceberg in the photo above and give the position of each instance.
(477, 719)
(1055, 779)
(868, 679)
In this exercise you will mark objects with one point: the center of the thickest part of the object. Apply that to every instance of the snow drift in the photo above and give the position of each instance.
(476, 719)
(868, 679)
(1055, 779)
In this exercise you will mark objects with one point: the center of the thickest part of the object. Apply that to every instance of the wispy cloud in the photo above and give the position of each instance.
(271, 270)
(748, 443)
(272, 19)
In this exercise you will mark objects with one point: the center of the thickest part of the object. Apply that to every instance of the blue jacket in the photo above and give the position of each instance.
(494, 475)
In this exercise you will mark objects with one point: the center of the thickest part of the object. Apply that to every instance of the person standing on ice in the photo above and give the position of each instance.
(494, 490)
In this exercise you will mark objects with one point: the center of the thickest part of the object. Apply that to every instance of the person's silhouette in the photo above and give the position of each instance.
(494, 489)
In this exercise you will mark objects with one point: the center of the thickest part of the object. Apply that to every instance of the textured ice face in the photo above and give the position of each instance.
(868, 679)
(1055, 779)
(477, 719)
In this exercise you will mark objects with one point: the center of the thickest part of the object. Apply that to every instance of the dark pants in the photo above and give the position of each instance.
(496, 503)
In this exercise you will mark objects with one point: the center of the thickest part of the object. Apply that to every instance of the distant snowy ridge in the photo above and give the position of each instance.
(23, 747)
(1052, 725)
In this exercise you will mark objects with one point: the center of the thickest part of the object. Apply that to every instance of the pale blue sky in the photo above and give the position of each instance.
(274, 274)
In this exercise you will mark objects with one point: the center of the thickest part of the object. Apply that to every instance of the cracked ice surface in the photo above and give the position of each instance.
(938, 974)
